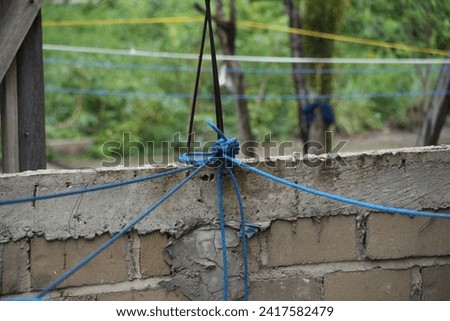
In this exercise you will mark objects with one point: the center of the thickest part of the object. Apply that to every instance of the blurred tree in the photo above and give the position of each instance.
(323, 16)
(422, 24)
(297, 51)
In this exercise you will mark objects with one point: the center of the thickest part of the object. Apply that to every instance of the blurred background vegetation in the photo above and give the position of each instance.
(99, 97)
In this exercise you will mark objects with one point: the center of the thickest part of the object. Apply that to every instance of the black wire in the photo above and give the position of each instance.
(197, 82)
(217, 98)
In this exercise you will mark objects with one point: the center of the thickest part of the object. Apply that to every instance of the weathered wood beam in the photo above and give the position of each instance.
(9, 111)
(30, 90)
(10, 121)
(22, 86)
(15, 24)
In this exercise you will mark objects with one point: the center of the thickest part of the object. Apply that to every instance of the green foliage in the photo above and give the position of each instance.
(104, 96)
(423, 24)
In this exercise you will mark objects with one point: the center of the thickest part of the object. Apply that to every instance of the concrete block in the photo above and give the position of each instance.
(197, 264)
(403, 178)
(292, 289)
(311, 241)
(15, 277)
(110, 266)
(435, 283)
(152, 259)
(254, 252)
(47, 262)
(376, 285)
(264, 199)
(397, 236)
(134, 256)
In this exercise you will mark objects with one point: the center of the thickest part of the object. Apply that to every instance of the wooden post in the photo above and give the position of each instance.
(10, 121)
(439, 108)
(22, 86)
(9, 111)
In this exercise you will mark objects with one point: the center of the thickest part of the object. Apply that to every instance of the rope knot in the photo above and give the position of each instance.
(222, 148)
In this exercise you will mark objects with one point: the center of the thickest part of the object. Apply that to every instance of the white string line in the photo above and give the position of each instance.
(266, 59)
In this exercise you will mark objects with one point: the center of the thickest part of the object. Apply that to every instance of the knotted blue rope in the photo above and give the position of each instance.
(219, 154)
(222, 155)
(222, 147)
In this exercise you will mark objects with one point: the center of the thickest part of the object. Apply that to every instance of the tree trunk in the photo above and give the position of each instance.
(438, 110)
(300, 84)
(316, 144)
(226, 31)
(323, 16)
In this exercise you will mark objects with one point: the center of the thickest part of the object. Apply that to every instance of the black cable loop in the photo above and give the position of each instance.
(217, 98)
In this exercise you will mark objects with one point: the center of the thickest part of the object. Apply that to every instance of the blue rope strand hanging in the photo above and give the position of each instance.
(222, 233)
(229, 147)
(242, 234)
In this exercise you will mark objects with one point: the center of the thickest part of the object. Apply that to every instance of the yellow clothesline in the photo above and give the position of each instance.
(248, 24)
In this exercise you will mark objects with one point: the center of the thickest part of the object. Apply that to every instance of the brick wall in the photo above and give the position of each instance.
(30, 265)
(400, 258)
(307, 249)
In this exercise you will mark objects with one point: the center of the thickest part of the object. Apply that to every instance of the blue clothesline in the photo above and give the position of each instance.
(163, 96)
(185, 68)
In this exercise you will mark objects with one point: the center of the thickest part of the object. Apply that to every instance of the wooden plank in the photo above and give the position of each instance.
(30, 89)
(9, 111)
(14, 26)
(439, 108)
(10, 121)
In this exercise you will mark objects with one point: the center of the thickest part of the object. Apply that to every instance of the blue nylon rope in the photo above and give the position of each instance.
(338, 198)
(230, 147)
(222, 155)
(158, 96)
(93, 189)
(243, 234)
(222, 233)
(123, 231)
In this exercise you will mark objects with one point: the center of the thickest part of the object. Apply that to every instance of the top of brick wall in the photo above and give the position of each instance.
(415, 178)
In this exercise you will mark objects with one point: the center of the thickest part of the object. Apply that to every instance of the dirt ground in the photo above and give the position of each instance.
(374, 140)
(388, 138)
